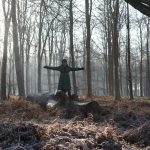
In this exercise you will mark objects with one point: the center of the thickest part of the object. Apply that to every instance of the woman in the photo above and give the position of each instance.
(64, 79)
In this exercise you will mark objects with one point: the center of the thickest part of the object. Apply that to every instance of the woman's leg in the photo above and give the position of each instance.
(69, 93)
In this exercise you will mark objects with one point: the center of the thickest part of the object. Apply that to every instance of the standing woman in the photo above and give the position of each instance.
(64, 79)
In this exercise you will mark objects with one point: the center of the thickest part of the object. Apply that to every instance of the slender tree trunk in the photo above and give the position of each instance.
(4, 61)
(105, 47)
(129, 61)
(127, 74)
(88, 48)
(84, 63)
(7, 15)
(120, 78)
(72, 47)
(22, 11)
(39, 49)
(148, 69)
(110, 59)
(9, 79)
(141, 63)
(27, 64)
(116, 50)
(16, 51)
(13, 74)
(50, 59)
(135, 80)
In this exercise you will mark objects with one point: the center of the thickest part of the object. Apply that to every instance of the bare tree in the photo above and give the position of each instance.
(7, 16)
(22, 25)
(72, 46)
(116, 49)
(148, 65)
(128, 52)
(109, 41)
(16, 50)
(88, 10)
(141, 60)
(40, 52)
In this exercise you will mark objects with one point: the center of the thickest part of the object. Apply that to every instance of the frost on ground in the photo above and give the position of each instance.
(121, 125)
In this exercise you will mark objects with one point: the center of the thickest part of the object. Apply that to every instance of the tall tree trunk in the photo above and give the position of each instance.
(128, 51)
(84, 63)
(16, 50)
(141, 62)
(27, 62)
(9, 78)
(72, 47)
(148, 69)
(39, 59)
(88, 47)
(4, 60)
(22, 11)
(51, 41)
(7, 15)
(110, 59)
(120, 78)
(127, 74)
(135, 84)
(116, 50)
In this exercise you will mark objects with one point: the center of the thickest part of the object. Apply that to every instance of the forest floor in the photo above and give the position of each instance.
(122, 125)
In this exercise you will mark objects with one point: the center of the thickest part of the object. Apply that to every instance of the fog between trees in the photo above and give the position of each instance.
(108, 38)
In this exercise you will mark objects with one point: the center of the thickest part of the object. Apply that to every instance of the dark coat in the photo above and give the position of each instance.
(64, 79)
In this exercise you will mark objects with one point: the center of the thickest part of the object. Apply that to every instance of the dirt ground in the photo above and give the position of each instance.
(120, 125)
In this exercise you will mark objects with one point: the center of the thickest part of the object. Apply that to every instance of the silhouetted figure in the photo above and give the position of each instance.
(64, 79)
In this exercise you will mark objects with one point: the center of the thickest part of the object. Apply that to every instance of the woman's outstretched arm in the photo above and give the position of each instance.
(52, 68)
(76, 69)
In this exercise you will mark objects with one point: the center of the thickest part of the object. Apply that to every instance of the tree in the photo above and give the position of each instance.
(147, 53)
(115, 49)
(22, 19)
(7, 16)
(16, 50)
(40, 52)
(88, 10)
(110, 59)
(71, 46)
(128, 53)
(141, 60)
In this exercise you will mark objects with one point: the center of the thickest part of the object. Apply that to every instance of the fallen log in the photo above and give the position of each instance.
(44, 100)
(71, 106)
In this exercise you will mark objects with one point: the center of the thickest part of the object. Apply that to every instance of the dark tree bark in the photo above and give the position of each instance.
(116, 49)
(16, 51)
(110, 57)
(40, 54)
(148, 69)
(88, 46)
(51, 49)
(129, 59)
(141, 62)
(4, 59)
(72, 47)
(127, 83)
(22, 12)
